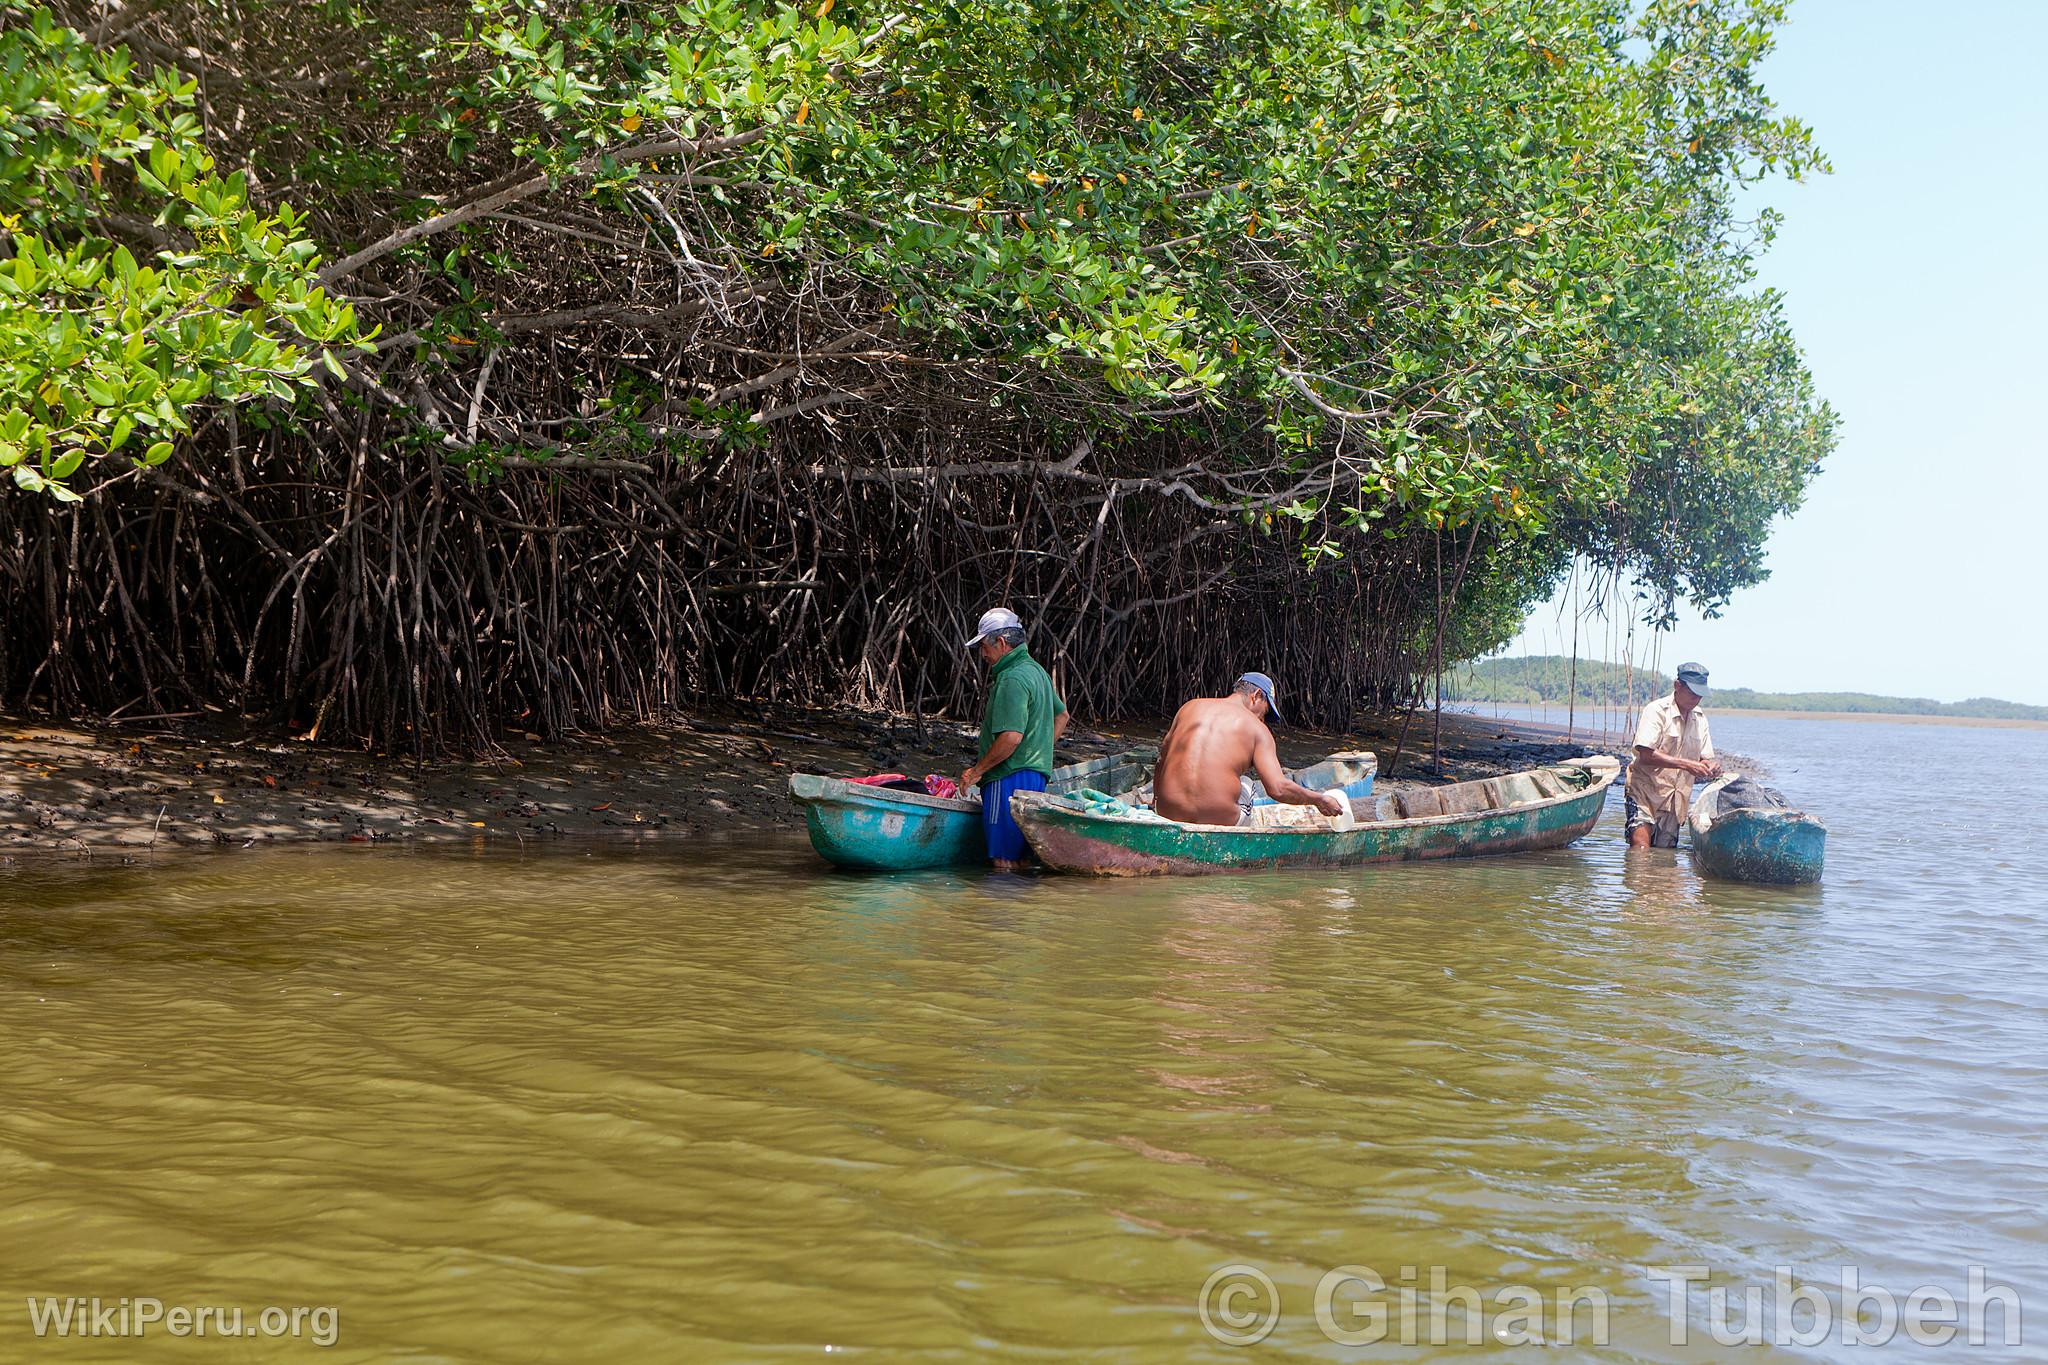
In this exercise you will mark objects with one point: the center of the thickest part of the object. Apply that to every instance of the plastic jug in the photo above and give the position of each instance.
(1345, 819)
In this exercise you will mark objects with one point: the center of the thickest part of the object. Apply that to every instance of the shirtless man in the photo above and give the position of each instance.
(1212, 743)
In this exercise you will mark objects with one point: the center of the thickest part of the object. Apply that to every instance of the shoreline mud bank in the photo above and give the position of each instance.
(125, 789)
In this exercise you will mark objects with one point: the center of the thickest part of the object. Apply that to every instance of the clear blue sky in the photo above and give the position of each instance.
(1916, 278)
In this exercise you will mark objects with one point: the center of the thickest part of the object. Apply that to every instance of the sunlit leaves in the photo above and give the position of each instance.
(97, 344)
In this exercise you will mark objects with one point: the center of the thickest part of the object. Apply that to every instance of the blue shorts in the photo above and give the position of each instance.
(998, 826)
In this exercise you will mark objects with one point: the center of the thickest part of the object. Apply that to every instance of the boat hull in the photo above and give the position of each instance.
(877, 829)
(1785, 848)
(886, 831)
(1072, 840)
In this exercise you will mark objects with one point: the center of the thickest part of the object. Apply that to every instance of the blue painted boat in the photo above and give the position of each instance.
(875, 828)
(1767, 842)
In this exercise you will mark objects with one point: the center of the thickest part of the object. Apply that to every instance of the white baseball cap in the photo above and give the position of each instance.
(993, 620)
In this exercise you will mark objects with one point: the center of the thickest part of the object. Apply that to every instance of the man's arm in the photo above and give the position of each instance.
(1656, 758)
(1000, 748)
(1652, 729)
(1006, 716)
(1281, 787)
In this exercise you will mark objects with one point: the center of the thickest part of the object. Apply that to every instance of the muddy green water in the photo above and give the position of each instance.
(723, 1104)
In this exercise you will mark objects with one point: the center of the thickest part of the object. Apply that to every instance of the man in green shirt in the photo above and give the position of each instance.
(1023, 717)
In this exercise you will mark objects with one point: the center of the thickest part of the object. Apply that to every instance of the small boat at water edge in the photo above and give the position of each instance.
(886, 830)
(1740, 831)
(1541, 808)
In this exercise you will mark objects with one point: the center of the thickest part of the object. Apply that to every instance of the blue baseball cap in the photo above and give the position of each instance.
(1263, 685)
(1694, 676)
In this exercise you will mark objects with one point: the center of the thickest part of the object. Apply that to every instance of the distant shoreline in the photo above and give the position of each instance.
(1558, 678)
(1894, 717)
(1897, 717)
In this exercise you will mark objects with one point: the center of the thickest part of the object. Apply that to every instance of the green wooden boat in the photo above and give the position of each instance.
(1767, 842)
(1541, 808)
(898, 831)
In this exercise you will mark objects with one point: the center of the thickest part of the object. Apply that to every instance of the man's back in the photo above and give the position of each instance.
(1207, 749)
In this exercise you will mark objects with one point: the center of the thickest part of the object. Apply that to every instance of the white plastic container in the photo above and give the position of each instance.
(1345, 819)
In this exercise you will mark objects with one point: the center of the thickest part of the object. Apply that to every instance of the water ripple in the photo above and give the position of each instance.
(723, 1104)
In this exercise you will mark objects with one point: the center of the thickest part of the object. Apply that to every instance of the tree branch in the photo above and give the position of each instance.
(526, 189)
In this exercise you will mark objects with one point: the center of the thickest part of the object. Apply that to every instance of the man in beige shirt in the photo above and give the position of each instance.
(1673, 749)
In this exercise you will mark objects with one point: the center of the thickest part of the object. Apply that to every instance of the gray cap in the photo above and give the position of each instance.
(994, 620)
(1695, 677)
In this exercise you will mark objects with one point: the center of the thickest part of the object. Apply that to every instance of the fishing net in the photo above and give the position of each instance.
(1744, 794)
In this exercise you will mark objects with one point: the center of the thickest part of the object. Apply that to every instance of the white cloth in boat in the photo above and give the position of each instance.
(1278, 815)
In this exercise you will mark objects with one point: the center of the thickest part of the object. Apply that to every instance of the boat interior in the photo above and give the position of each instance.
(1414, 803)
(1480, 795)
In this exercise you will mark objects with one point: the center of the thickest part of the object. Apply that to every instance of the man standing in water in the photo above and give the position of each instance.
(1212, 743)
(1673, 750)
(1023, 717)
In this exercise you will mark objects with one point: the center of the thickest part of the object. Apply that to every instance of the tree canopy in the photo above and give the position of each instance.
(1243, 299)
(99, 351)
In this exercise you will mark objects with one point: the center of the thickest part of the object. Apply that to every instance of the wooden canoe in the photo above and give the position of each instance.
(1772, 845)
(1541, 808)
(897, 831)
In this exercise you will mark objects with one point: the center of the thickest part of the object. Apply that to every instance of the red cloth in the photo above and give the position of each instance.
(940, 786)
(884, 779)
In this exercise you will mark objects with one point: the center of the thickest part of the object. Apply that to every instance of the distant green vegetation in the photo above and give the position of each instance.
(1547, 679)
(1537, 679)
